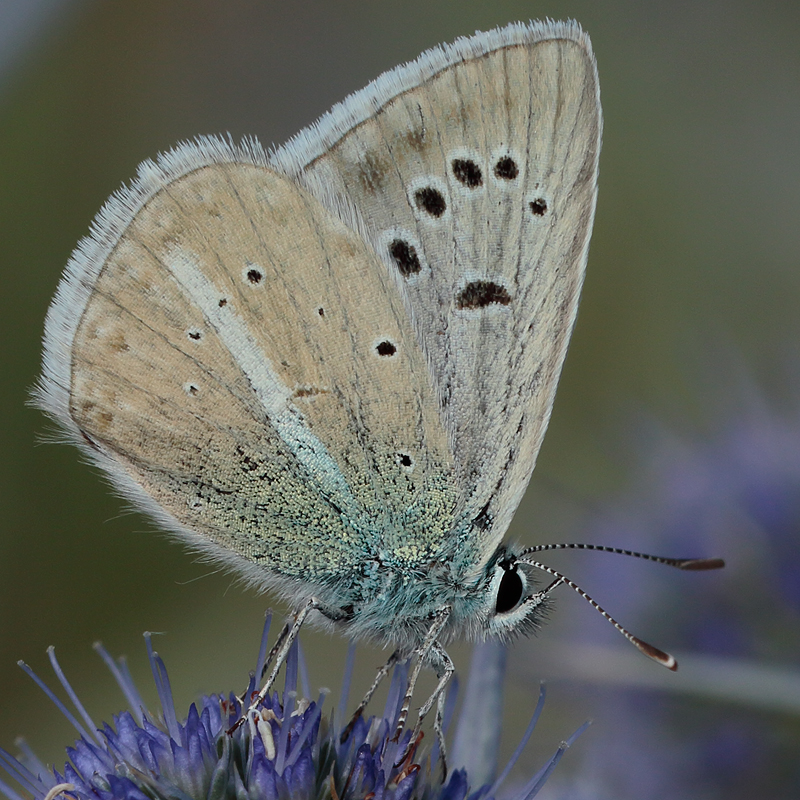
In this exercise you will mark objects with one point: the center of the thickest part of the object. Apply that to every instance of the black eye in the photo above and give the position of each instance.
(509, 592)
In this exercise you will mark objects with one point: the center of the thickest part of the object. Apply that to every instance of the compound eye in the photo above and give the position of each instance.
(509, 592)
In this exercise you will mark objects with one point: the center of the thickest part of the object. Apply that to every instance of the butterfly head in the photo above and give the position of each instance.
(510, 604)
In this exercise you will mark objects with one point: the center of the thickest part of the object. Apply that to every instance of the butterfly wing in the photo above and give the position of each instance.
(311, 372)
(239, 363)
(473, 173)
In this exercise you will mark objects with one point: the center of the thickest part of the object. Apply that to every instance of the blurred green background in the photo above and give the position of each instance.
(696, 247)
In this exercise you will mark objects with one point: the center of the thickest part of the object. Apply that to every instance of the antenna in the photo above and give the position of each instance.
(665, 659)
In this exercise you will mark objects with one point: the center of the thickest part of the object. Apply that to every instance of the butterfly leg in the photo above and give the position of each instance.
(444, 668)
(438, 729)
(284, 643)
(423, 655)
(382, 673)
(275, 648)
(541, 595)
(444, 671)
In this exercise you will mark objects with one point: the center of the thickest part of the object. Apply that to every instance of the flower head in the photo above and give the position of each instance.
(289, 749)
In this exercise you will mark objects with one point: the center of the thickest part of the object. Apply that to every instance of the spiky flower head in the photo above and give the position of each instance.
(291, 749)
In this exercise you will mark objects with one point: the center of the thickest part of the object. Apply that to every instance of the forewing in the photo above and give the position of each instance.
(240, 364)
(473, 172)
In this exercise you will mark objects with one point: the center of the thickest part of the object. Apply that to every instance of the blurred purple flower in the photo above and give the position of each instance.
(733, 494)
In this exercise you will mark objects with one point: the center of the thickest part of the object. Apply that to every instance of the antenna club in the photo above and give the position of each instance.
(665, 659)
(702, 564)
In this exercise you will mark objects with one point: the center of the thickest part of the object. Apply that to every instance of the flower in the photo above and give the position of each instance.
(290, 749)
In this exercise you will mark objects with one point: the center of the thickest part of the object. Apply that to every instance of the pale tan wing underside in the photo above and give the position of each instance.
(477, 188)
(244, 358)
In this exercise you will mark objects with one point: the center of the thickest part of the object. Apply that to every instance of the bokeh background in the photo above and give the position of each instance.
(676, 427)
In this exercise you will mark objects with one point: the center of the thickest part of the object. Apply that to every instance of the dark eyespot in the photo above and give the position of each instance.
(538, 207)
(509, 592)
(468, 172)
(406, 258)
(386, 349)
(404, 460)
(254, 275)
(479, 294)
(430, 200)
(506, 168)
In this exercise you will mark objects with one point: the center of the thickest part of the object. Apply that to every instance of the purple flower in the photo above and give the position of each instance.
(290, 750)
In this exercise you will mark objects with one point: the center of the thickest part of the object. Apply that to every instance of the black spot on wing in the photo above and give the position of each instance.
(483, 519)
(254, 275)
(506, 168)
(467, 172)
(480, 294)
(538, 207)
(385, 348)
(431, 201)
(406, 258)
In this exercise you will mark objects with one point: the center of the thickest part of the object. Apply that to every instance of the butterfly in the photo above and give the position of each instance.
(330, 366)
